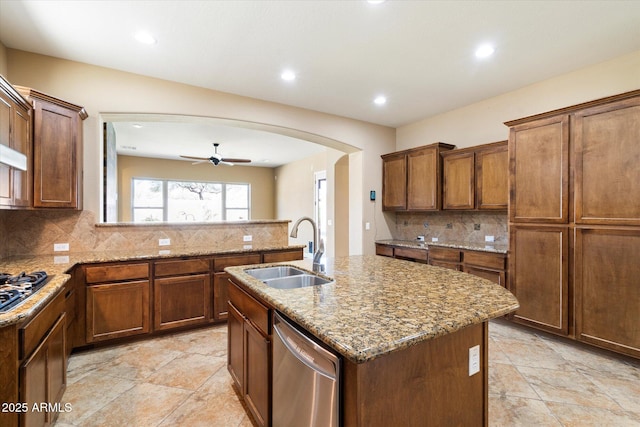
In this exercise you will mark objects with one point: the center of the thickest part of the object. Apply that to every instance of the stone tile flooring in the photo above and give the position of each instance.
(535, 379)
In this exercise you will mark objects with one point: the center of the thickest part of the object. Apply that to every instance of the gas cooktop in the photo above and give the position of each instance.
(14, 289)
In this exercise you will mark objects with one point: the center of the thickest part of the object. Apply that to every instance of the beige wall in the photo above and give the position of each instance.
(482, 122)
(102, 90)
(261, 180)
(3, 60)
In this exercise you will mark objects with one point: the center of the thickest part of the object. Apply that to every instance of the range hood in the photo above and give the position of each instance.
(13, 158)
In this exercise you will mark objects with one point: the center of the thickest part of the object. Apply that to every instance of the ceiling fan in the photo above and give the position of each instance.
(217, 158)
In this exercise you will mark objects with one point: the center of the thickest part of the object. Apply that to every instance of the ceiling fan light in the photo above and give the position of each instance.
(288, 76)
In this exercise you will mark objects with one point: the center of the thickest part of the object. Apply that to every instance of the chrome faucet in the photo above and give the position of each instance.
(319, 250)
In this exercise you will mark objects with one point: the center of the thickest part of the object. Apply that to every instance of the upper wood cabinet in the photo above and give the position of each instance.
(476, 177)
(57, 151)
(607, 163)
(539, 168)
(411, 179)
(15, 133)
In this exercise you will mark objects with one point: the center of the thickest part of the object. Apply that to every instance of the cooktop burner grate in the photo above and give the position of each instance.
(15, 289)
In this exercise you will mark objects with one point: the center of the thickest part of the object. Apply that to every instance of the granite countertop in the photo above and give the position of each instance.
(500, 248)
(378, 304)
(58, 268)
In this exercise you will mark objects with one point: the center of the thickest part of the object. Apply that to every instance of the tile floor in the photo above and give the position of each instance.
(535, 379)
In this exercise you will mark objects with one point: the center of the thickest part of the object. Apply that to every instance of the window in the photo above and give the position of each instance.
(187, 201)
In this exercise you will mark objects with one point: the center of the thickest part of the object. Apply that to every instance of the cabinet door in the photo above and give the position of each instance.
(33, 387)
(117, 310)
(495, 276)
(257, 378)
(539, 276)
(607, 283)
(57, 361)
(458, 171)
(6, 172)
(181, 301)
(56, 156)
(423, 179)
(235, 346)
(607, 163)
(394, 182)
(220, 296)
(22, 143)
(492, 178)
(539, 171)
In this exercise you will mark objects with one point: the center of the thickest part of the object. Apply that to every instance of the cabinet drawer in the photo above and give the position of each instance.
(384, 250)
(444, 264)
(257, 313)
(181, 266)
(483, 259)
(32, 333)
(282, 256)
(117, 272)
(445, 254)
(219, 263)
(417, 254)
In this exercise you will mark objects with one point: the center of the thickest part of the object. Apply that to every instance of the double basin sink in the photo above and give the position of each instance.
(286, 277)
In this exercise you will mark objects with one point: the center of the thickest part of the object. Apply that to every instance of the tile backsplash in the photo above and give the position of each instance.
(467, 226)
(34, 232)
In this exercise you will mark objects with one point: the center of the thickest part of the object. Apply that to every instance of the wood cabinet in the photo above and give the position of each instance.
(117, 301)
(402, 252)
(249, 352)
(220, 279)
(282, 255)
(57, 151)
(488, 265)
(476, 177)
(577, 168)
(411, 179)
(15, 133)
(607, 291)
(445, 257)
(181, 293)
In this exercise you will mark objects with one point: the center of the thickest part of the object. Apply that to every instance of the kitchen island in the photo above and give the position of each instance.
(404, 331)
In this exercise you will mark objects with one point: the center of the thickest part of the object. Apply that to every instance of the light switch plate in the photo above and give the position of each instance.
(434, 239)
(247, 238)
(164, 242)
(474, 360)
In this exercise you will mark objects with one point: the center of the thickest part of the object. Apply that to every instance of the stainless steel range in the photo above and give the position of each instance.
(15, 289)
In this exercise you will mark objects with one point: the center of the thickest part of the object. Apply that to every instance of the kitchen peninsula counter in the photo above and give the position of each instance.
(59, 266)
(378, 305)
(496, 247)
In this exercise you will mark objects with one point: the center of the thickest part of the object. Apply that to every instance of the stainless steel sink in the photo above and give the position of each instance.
(285, 277)
(267, 273)
(293, 282)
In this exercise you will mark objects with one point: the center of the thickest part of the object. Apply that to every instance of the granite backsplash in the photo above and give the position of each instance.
(465, 226)
(34, 232)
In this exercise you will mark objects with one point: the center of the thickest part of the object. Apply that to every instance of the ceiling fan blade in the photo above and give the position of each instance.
(224, 162)
(200, 161)
(196, 158)
(236, 160)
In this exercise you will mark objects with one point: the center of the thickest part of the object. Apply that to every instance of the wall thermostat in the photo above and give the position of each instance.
(372, 195)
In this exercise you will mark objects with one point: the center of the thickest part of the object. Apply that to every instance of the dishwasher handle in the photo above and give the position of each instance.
(306, 350)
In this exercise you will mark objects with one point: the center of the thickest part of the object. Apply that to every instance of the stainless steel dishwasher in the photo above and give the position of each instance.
(306, 379)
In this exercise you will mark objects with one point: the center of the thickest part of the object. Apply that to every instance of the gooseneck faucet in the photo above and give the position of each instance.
(319, 250)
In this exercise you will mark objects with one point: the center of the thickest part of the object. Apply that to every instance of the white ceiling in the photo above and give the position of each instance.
(420, 54)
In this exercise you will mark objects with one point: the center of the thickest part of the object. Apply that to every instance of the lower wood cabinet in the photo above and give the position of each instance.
(402, 252)
(43, 376)
(118, 310)
(607, 289)
(220, 279)
(181, 293)
(249, 352)
(540, 276)
(445, 257)
(488, 265)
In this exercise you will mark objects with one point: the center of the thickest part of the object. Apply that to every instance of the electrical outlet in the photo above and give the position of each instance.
(247, 238)
(60, 247)
(420, 238)
(434, 239)
(474, 360)
(367, 226)
(488, 238)
(61, 259)
(247, 247)
(164, 252)
(164, 242)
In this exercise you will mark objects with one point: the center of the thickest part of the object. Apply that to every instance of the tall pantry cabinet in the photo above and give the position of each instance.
(574, 221)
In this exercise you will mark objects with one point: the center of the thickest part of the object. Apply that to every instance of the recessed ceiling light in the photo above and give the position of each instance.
(288, 75)
(375, 1)
(137, 125)
(145, 38)
(484, 51)
(380, 100)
